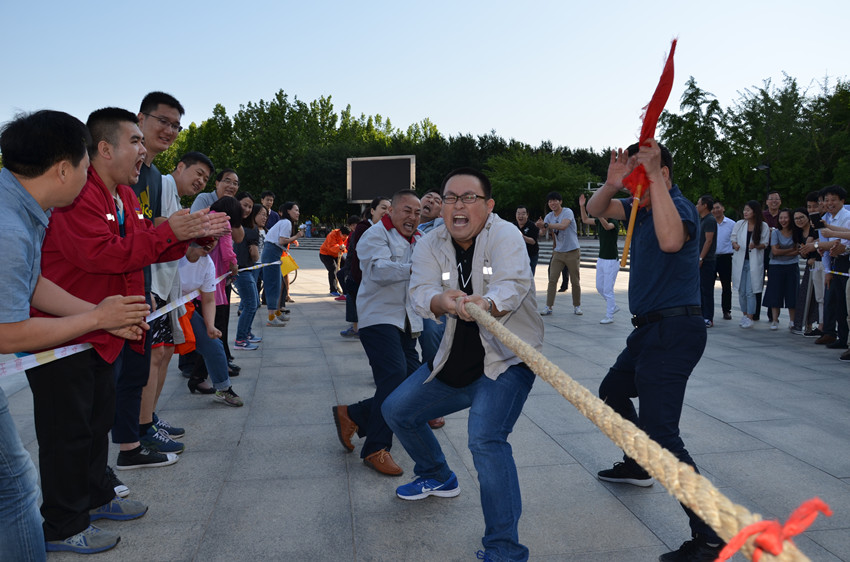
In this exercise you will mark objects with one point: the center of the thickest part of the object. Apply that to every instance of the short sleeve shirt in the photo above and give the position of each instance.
(565, 240)
(660, 280)
(22, 226)
(198, 275)
(608, 249)
(530, 229)
(708, 224)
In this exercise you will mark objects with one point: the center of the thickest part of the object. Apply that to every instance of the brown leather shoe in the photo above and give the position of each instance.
(382, 462)
(825, 339)
(437, 423)
(345, 428)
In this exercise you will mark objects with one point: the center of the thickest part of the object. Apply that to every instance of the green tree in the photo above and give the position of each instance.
(693, 138)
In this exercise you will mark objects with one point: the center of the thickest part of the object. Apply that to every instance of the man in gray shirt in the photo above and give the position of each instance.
(561, 225)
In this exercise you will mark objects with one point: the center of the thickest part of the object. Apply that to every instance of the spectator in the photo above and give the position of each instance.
(832, 249)
(560, 222)
(608, 262)
(248, 254)
(724, 257)
(707, 264)
(783, 278)
(530, 234)
(807, 311)
(331, 253)
(749, 238)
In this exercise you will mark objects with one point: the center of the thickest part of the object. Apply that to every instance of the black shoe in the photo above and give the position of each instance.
(727, 316)
(813, 334)
(836, 345)
(845, 356)
(233, 366)
(121, 490)
(694, 550)
(193, 387)
(563, 289)
(622, 473)
(144, 458)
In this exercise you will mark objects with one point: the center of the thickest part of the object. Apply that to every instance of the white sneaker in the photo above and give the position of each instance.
(774, 325)
(578, 311)
(546, 311)
(746, 322)
(607, 320)
(277, 322)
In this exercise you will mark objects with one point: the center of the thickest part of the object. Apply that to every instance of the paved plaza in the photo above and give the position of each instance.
(766, 417)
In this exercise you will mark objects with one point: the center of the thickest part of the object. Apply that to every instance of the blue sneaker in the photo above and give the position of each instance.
(423, 487)
(160, 442)
(162, 425)
(88, 541)
(245, 345)
(334, 294)
(119, 509)
(254, 339)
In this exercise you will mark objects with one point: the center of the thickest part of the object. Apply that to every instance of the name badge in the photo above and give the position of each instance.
(488, 270)
(446, 276)
(110, 217)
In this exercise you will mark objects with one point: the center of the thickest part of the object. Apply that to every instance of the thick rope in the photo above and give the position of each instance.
(680, 479)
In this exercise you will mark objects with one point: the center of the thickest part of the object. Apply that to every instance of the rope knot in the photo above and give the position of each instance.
(771, 535)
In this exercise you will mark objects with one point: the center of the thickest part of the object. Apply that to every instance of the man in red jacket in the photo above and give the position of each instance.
(97, 247)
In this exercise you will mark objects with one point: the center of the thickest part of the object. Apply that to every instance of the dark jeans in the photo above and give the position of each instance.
(132, 371)
(654, 368)
(835, 309)
(330, 264)
(707, 273)
(392, 355)
(351, 288)
(724, 273)
(74, 405)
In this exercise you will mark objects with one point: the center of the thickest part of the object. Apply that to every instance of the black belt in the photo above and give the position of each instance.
(657, 315)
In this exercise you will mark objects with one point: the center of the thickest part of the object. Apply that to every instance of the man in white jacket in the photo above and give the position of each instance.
(388, 327)
(481, 259)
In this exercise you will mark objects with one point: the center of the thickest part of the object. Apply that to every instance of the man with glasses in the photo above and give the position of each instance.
(479, 259)
(159, 120)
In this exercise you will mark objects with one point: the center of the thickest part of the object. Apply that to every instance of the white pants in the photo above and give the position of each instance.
(818, 287)
(606, 275)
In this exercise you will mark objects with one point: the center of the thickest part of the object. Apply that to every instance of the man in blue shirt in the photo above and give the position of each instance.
(45, 163)
(670, 334)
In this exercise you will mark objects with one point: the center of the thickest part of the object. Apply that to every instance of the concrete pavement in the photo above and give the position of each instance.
(767, 419)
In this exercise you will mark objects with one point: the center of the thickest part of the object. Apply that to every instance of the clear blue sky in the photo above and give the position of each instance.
(566, 71)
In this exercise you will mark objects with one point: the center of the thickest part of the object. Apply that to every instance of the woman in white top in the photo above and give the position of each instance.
(749, 239)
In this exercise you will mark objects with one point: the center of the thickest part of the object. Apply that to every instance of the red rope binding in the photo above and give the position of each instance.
(772, 535)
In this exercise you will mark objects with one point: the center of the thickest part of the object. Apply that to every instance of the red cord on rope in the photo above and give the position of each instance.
(772, 535)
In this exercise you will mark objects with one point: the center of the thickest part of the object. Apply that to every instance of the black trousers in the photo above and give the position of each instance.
(724, 273)
(74, 405)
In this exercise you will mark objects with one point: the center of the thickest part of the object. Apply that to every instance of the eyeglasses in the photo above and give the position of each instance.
(165, 122)
(230, 181)
(467, 198)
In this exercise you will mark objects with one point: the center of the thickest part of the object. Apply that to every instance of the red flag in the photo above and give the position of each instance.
(651, 113)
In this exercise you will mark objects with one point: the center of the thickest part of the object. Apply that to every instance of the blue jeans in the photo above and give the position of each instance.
(432, 335)
(21, 535)
(746, 298)
(494, 406)
(392, 356)
(250, 301)
(212, 350)
(654, 368)
(272, 278)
